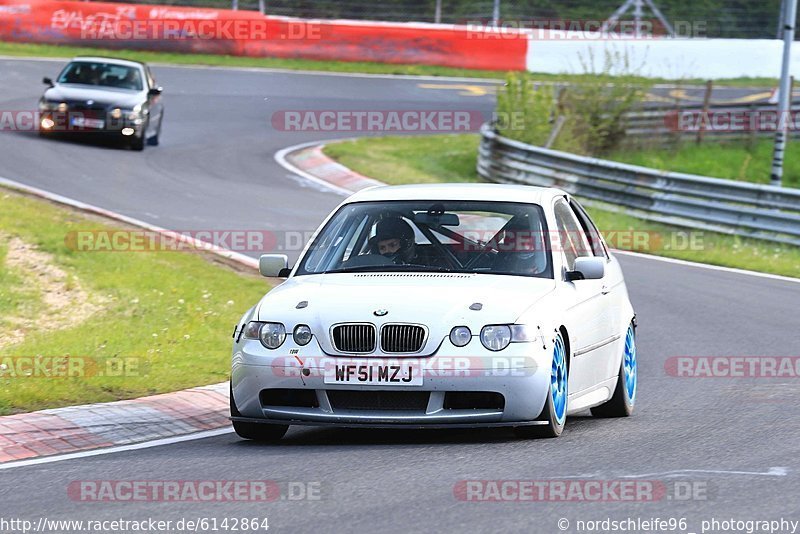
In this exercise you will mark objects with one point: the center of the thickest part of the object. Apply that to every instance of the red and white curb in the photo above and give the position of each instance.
(94, 426)
(310, 162)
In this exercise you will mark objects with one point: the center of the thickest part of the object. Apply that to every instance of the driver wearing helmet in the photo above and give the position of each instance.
(394, 239)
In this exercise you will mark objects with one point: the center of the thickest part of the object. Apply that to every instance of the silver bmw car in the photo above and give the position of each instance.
(439, 306)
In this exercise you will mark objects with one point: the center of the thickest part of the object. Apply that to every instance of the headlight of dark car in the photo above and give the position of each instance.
(51, 105)
(134, 115)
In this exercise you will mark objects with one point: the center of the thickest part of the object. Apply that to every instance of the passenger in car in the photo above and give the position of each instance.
(520, 251)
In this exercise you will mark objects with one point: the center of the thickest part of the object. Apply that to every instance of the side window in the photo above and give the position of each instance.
(571, 236)
(592, 233)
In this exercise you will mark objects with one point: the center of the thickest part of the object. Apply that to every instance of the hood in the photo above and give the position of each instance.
(108, 96)
(439, 301)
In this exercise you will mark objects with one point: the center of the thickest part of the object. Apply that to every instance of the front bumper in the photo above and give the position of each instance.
(520, 374)
(62, 123)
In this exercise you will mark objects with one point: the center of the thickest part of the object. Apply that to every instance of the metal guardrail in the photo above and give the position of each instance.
(739, 208)
(733, 121)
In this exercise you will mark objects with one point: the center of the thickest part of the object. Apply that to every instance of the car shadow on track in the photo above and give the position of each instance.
(83, 139)
(300, 436)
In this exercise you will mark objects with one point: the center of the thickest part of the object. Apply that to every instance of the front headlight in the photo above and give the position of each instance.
(460, 336)
(301, 334)
(46, 105)
(496, 337)
(272, 335)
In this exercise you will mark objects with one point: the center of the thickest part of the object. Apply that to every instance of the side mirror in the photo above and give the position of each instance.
(48, 81)
(155, 91)
(274, 265)
(588, 268)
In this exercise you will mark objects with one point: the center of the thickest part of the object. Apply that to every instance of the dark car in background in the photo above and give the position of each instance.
(114, 98)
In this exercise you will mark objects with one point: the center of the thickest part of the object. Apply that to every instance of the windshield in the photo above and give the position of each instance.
(102, 74)
(448, 236)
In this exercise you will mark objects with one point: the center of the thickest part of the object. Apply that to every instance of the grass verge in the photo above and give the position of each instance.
(403, 160)
(750, 162)
(161, 320)
(452, 159)
(363, 67)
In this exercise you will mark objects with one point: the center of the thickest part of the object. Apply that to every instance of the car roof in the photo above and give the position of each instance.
(458, 191)
(114, 60)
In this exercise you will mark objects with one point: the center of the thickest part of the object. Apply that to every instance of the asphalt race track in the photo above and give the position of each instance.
(734, 442)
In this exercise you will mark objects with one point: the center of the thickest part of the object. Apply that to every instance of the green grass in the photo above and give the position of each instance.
(41, 50)
(735, 161)
(14, 296)
(402, 160)
(452, 159)
(170, 314)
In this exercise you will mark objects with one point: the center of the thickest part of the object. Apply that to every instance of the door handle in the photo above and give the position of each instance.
(605, 289)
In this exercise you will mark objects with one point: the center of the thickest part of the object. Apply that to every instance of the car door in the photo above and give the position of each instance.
(587, 311)
(613, 289)
(154, 104)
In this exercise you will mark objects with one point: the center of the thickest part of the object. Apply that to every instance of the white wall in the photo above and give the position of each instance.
(668, 58)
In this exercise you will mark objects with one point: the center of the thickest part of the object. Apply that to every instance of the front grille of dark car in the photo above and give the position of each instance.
(378, 400)
(95, 111)
(354, 338)
(402, 338)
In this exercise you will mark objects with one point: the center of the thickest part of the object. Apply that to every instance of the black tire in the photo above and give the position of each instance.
(260, 431)
(137, 143)
(620, 404)
(256, 431)
(552, 427)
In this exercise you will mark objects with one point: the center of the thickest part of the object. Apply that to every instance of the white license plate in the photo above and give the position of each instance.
(375, 373)
(83, 122)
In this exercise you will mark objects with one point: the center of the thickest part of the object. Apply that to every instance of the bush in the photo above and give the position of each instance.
(526, 111)
(592, 111)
